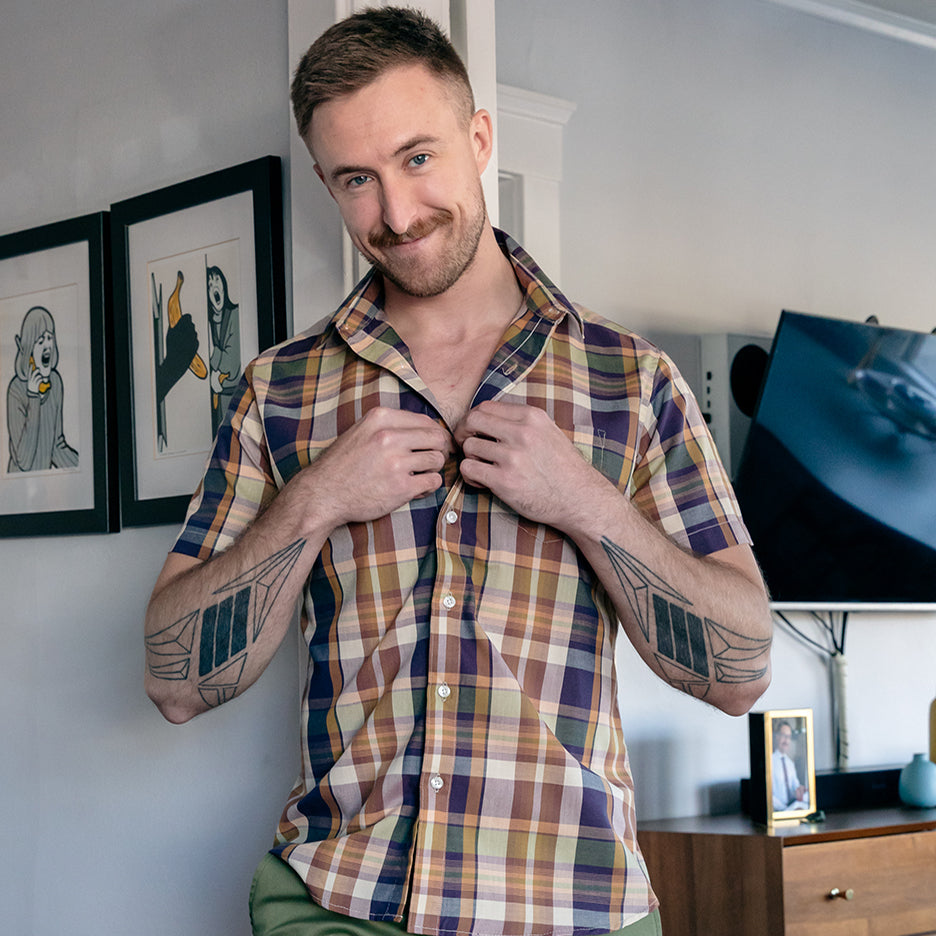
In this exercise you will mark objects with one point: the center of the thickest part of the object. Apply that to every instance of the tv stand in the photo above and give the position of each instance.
(861, 871)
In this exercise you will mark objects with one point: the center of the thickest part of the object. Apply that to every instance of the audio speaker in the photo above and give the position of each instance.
(733, 368)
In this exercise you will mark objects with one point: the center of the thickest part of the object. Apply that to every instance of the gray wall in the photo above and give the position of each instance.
(114, 821)
(726, 159)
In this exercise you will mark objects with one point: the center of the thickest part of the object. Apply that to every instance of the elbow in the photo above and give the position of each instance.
(740, 700)
(174, 714)
(747, 673)
(174, 711)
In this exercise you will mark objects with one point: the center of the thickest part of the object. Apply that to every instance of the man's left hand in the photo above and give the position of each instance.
(519, 454)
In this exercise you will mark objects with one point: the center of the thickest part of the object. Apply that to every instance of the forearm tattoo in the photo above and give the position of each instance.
(224, 631)
(691, 651)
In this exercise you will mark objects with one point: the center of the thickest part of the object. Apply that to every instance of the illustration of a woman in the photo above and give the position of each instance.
(34, 399)
(224, 363)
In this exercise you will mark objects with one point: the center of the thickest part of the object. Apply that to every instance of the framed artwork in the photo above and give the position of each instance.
(783, 770)
(198, 292)
(54, 465)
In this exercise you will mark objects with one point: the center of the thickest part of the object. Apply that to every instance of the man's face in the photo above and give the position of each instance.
(404, 168)
(783, 738)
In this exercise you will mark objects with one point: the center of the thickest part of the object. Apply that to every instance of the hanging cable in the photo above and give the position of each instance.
(832, 649)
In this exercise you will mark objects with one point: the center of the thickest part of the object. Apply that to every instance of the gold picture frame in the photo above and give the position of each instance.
(783, 767)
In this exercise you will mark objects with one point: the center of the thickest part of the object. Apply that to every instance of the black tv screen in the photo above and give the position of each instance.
(837, 481)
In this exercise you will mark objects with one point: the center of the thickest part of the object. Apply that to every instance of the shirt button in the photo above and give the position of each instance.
(444, 691)
(451, 517)
(449, 602)
(436, 783)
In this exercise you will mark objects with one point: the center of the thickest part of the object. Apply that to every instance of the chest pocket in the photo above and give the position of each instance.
(591, 444)
(613, 457)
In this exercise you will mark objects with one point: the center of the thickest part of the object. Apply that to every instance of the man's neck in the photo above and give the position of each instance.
(484, 299)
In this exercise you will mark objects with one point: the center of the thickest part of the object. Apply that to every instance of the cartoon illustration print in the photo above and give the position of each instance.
(34, 399)
(176, 346)
(224, 326)
(177, 354)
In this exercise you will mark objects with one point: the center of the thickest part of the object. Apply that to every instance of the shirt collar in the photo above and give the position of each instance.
(541, 294)
(362, 309)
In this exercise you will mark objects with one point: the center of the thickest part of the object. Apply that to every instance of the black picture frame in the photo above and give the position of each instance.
(55, 275)
(235, 214)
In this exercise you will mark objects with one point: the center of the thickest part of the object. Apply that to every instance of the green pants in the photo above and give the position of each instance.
(280, 905)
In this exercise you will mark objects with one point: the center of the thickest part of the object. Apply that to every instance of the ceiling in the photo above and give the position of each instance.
(908, 20)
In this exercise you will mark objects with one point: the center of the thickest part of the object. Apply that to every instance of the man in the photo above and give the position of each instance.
(467, 480)
(787, 791)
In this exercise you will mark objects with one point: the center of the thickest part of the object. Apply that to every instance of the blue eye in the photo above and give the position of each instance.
(357, 181)
(420, 159)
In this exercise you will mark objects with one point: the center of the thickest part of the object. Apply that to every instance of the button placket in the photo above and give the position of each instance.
(449, 588)
(451, 514)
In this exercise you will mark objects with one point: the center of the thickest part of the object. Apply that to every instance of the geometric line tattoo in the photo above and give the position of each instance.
(169, 651)
(690, 650)
(222, 685)
(267, 579)
(639, 583)
(229, 627)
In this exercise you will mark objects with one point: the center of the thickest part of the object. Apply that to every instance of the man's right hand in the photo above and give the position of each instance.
(385, 460)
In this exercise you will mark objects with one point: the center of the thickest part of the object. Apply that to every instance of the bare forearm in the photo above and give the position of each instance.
(213, 628)
(702, 623)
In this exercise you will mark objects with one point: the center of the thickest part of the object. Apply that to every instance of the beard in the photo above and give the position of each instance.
(416, 276)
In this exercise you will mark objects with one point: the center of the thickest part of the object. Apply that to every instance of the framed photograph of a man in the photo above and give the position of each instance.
(54, 455)
(783, 772)
(199, 291)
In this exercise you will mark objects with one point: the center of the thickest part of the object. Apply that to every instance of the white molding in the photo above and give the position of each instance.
(471, 27)
(532, 104)
(531, 128)
(873, 17)
(530, 135)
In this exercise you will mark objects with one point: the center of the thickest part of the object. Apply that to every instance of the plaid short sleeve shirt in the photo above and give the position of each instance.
(463, 760)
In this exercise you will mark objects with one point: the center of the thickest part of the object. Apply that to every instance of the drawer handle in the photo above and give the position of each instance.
(846, 894)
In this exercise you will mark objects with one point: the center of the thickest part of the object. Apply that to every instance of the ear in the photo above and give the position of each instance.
(481, 134)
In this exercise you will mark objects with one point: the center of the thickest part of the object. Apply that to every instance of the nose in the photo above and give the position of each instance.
(398, 206)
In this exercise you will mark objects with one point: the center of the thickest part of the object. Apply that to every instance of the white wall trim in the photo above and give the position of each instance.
(532, 104)
(530, 135)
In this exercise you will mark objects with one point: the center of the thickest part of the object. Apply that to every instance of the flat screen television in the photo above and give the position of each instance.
(837, 480)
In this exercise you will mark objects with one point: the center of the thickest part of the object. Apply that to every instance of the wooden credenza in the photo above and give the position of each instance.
(859, 873)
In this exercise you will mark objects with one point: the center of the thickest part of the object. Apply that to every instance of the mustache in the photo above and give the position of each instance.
(386, 237)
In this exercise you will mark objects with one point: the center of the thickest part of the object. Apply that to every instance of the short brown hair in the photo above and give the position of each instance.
(357, 50)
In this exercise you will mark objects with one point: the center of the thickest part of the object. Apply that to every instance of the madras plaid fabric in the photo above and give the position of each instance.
(463, 766)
